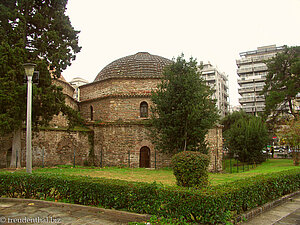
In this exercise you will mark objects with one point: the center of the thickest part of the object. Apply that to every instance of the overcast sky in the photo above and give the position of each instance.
(209, 30)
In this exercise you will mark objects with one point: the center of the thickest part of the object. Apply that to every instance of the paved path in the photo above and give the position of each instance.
(287, 213)
(27, 211)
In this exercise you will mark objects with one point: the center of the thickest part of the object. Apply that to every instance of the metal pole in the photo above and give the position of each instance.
(74, 158)
(28, 124)
(101, 163)
(155, 159)
(17, 158)
(43, 156)
(215, 163)
(129, 158)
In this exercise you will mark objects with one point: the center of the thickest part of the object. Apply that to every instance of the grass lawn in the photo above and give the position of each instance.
(165, 176)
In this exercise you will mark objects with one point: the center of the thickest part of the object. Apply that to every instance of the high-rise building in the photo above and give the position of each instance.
(219, 82)
(76, 83)
(252, 72)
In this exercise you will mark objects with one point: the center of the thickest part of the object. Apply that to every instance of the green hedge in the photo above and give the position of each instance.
(212, 205)
(190, 169)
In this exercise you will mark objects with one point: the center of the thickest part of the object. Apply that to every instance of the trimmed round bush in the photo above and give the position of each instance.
(191, 169)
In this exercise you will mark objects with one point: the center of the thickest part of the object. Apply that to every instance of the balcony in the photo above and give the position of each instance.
(253, 109)
(243, 61)
(226, 94)
(209, 78)
(251, 99)
(259, 88)
(257, 79)
(260, 68)
(255, 59)
(244, 70)
(246, 90)
(244, 81)
(250, 89)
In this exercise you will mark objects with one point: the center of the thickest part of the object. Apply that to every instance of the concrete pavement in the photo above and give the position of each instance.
(287, 213)
(27, 211)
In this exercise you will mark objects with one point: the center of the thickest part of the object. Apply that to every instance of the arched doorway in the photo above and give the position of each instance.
(145, 157)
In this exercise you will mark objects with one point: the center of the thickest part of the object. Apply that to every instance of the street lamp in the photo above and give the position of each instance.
(29, 69)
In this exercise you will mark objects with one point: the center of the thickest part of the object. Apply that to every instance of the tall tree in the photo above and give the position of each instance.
(41, 33)
(183, 109)
(246, 139)
(282, 83)
(290, 133)
(231, 118)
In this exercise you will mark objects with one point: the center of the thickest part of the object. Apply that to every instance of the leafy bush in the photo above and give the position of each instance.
(190, 169)
(213, 205)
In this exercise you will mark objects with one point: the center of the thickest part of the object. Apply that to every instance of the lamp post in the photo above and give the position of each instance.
(29, 69)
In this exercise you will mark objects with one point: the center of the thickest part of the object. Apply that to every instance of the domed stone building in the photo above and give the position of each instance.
(116, 103)
(114, 107)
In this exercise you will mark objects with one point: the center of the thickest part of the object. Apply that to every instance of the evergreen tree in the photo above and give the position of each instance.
(231, 118)
(246, 139)
(282, 83)
(38, 32)
(183, 110)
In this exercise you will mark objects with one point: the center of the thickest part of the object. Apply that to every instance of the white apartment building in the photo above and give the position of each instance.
(252, 72)
(219, 82)
(75, 83)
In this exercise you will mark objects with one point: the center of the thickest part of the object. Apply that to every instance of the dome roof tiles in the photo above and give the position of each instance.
(140, 65)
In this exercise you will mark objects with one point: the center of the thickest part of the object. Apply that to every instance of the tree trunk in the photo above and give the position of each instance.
(296, 156)
(185, 136)
(291, 107)
(16, 150)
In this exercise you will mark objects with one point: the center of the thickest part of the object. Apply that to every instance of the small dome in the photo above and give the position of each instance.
(140, 65)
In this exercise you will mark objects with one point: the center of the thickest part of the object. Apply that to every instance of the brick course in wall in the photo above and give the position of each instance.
(117, 86)
(5, 147)
(58, 147)
(115, 108)
(50, 147)
(120, 145)
(67, 88)
(215, 142)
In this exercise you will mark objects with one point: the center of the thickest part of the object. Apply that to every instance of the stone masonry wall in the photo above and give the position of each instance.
(114, 108)
(58, 147)
(60, 120)
(119, 145)
(116, 87)
(53, 147)
(114, 145)
(67, 88)
(5, 147)
(215, 142)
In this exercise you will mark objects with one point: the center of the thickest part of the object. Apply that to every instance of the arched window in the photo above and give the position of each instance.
(144, 110)
(92, 113)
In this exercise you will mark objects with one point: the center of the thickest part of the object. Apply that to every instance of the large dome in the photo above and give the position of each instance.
(140, 65)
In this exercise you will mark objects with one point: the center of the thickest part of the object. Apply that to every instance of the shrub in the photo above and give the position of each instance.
(190, 169)
(213, 205)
